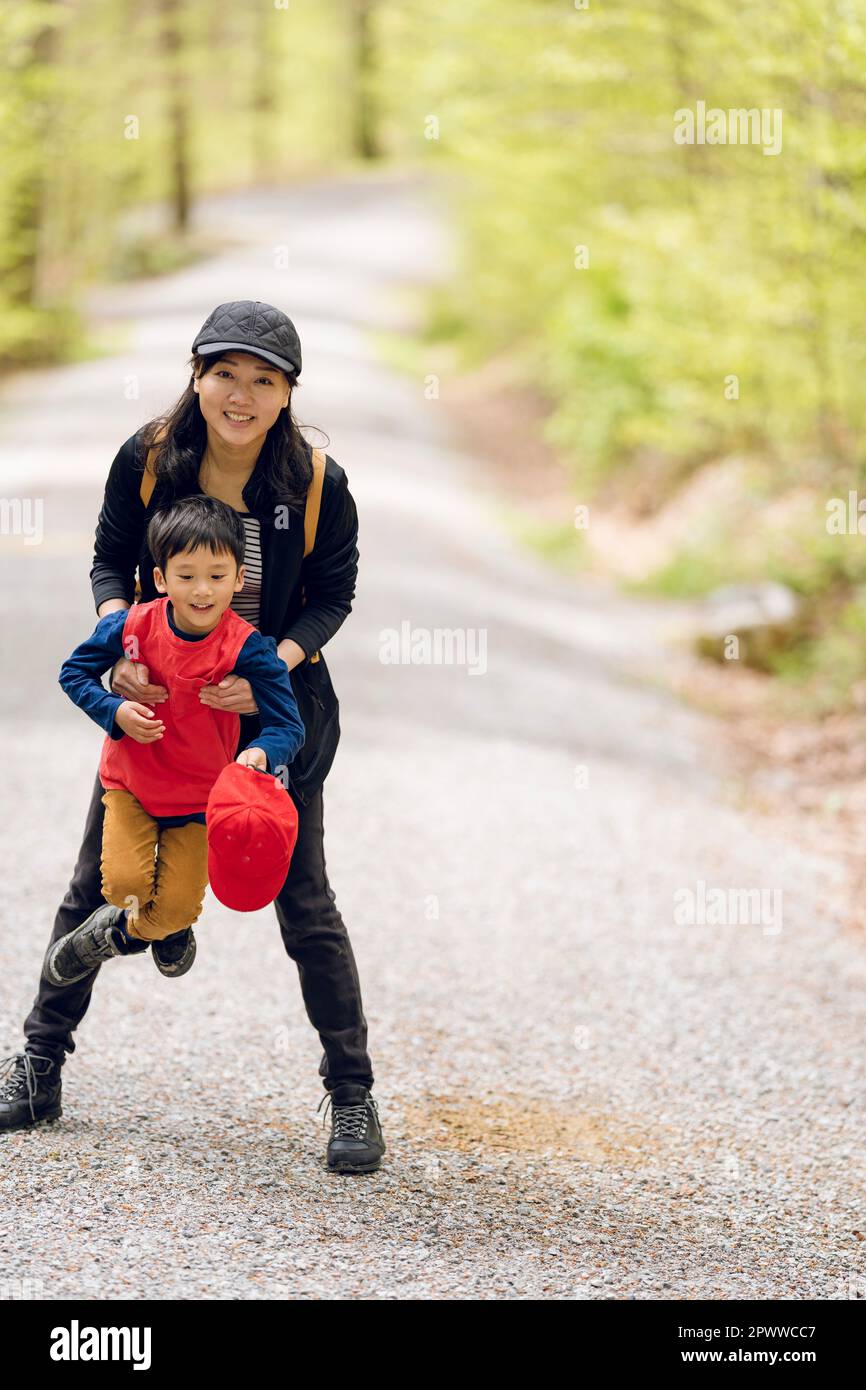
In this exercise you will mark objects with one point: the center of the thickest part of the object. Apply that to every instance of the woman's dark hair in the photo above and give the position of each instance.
(193, 522)
(284, 468)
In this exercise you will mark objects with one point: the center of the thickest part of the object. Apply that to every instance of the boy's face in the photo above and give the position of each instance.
(200, 584)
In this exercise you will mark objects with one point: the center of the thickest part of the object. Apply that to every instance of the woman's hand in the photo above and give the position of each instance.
(233, 694)
(139, 722)
(132, 680)
(253, 757)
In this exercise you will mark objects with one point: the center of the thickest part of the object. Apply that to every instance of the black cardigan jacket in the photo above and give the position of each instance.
(327, 575)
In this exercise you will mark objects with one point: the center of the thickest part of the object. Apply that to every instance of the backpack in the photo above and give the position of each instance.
(311, 511)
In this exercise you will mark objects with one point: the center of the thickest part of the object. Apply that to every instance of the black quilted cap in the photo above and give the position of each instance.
(248, 325)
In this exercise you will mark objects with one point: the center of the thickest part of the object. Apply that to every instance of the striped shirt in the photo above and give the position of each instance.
(247, 604)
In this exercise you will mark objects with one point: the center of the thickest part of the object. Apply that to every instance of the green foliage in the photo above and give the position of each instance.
(824, 667)
(155, 254)
(563, 546)
(705, 262)
(114, 115)
(677, 303)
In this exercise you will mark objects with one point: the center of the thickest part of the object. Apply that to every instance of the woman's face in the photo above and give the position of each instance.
(241, 396)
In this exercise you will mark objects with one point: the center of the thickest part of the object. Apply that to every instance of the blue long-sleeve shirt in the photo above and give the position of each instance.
(282, 730)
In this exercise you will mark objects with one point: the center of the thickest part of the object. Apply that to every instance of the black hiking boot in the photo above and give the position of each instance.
(356, 1144)
(86, 947)
(29, 1090)
(174, 954)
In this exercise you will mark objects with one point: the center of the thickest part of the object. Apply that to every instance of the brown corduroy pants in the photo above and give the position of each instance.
(159, 876)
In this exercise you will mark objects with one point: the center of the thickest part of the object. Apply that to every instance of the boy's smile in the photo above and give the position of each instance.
(201, 585)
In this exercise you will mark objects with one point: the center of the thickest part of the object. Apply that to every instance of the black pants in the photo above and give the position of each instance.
(313, 934)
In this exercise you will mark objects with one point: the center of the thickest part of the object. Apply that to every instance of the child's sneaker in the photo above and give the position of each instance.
(86, 947)
(174, 954)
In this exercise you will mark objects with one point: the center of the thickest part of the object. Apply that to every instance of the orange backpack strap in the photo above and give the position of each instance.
(148, 477)
(311, 513)
(145, 492)
(314, 501)
(148, 480)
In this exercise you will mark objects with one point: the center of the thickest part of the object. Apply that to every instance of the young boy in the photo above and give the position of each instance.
(158, 771)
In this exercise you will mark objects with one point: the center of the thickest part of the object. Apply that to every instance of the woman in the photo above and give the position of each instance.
(232, 435)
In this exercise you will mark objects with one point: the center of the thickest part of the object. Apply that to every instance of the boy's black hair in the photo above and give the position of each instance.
(193, 522)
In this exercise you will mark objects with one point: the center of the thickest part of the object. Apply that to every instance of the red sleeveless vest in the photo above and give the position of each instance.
(174, 775)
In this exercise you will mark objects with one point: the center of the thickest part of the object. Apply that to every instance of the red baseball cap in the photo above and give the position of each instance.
(252, 828)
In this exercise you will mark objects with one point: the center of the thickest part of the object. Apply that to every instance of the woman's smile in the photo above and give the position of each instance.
(235, 418)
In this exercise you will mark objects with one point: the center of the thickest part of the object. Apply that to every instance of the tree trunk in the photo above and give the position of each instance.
(365, 141)
(178, 114)
(27, 198)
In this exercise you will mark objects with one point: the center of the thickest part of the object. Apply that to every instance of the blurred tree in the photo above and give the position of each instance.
(264, 100)
(173, 68)
(114, 114)
(33, 114)
(364, 130)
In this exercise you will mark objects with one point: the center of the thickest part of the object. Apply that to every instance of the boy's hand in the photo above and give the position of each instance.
(139, 722)
(253, 757)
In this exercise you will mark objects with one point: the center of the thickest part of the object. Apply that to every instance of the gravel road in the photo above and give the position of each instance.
(584, 1094)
